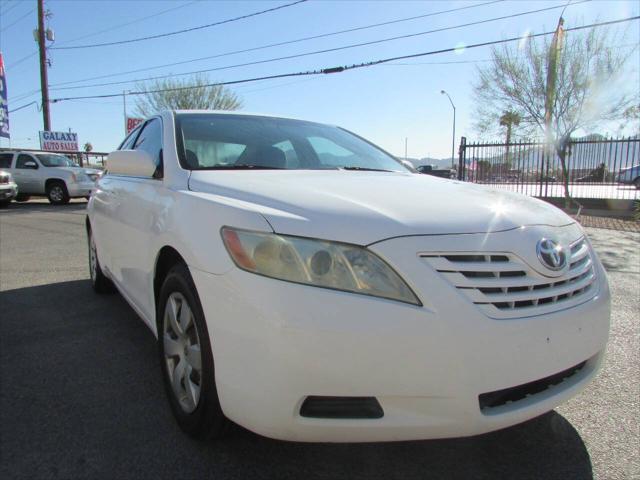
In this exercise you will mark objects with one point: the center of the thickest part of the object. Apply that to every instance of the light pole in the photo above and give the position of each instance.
(453, 139)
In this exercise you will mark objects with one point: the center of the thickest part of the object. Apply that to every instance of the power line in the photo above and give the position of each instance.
(115, 27)
(340, 69)
(18, 20)
(23, 106)
(18, 62)
(287, 42)
(11, 8)
(436, 63)
(192, 29)
(316, 52)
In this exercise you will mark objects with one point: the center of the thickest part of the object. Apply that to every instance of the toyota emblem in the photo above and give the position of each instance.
(551, 254)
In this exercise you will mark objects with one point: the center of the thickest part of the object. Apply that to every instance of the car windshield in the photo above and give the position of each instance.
(218, 141)
(54, 160)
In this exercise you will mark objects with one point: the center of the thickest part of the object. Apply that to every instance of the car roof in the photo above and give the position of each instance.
(239, 113)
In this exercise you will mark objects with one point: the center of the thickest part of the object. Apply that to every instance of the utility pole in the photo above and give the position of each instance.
(124, 111)
(550, 98)
(44, 82)
(453, 138)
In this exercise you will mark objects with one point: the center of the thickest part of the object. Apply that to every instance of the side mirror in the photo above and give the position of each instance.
(136, 163)
(31, 164)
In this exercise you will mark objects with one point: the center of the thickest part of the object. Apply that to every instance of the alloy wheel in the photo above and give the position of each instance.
(93, 258)
(182, 354)
(56, 193)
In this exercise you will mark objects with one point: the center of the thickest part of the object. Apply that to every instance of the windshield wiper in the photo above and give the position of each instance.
(242, 166)
(365, 169)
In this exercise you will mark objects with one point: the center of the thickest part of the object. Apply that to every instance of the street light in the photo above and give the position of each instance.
(453, 140)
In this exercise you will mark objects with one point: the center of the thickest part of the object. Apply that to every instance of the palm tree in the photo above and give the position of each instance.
(509, 119)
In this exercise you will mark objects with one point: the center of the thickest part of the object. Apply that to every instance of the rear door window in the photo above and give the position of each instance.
(5, 160)
(23, 158)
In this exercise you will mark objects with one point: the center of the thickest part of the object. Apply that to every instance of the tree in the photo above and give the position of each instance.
(631, 117)
(191, 93)
(509, 119)
(88, 147)
(588, 88)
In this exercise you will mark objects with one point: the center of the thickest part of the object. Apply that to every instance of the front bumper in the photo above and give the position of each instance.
(8, 191)
(80, 189)
(276, 343)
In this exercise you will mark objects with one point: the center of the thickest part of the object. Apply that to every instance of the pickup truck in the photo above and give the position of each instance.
(48, 174)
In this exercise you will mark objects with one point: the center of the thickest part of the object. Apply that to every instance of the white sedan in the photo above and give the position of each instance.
(304, 284)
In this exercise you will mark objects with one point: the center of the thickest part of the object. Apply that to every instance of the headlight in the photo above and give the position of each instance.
(318, 263)
(79, 178)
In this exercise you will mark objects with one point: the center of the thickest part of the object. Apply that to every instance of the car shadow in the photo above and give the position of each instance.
(82, 396)
(42, 206)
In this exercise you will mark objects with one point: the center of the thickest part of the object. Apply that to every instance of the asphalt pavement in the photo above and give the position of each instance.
(81, 393)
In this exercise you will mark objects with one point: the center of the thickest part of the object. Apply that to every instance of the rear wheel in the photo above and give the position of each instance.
(99, 282)
(57, 193)
(186, 357)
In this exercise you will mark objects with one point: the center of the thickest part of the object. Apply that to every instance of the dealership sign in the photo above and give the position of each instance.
(133, 123)
(59, 141)
(4, 106)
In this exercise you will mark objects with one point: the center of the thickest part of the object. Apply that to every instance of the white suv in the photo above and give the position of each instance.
(305, 284)
(48, 174)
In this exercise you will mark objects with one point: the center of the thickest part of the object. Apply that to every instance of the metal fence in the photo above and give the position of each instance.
(596, 167)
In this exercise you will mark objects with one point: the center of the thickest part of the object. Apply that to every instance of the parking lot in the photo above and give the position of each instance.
(81, 393)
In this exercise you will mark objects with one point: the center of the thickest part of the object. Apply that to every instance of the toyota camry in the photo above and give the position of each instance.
(303, 283)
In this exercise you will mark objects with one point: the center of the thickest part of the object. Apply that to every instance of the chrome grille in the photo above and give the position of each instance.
(504, 286)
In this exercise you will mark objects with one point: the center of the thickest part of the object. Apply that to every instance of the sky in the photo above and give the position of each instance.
(385, 104)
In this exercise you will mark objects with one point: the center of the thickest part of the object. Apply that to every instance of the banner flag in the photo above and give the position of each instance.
(4, 106)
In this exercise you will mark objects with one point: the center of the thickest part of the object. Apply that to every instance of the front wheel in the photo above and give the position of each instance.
(186, 357)
(57, 193)
(4, 203)
(99, 282)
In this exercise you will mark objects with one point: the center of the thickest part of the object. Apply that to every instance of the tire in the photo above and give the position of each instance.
(99, 282)
(4, 203)
(21, 197)
(192, 396)
(57, 193)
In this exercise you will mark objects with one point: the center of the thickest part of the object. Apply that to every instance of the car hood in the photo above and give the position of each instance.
(366, 207)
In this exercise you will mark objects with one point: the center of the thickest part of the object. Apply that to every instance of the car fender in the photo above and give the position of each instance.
(190, 223)
(44, 180)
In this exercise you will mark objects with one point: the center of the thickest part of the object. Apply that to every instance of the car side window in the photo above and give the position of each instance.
(150, 139)
(23, 159)
(5, 160)
(127, 143)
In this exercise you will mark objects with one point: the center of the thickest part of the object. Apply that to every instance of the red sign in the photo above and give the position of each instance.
(133, 123)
